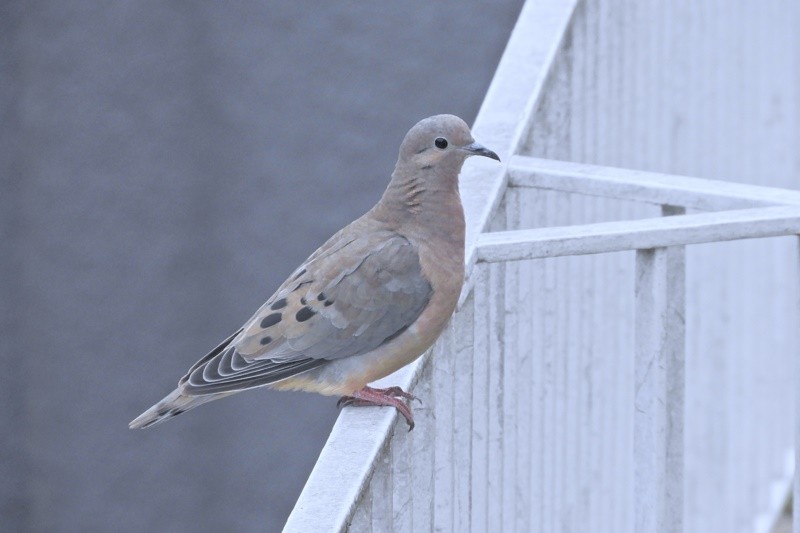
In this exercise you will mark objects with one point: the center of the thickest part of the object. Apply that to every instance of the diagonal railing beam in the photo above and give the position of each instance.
(638, 234)
(641, 186)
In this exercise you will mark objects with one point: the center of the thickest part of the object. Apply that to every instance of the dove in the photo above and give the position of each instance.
(369, 301)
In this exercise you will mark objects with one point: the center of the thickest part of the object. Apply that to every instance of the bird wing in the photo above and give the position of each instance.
(350, 297)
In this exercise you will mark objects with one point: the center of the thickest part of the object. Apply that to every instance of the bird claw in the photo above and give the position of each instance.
(344, 401)
(382, 397)
(398, 392)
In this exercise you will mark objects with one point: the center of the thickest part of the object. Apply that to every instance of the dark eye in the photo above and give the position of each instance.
(441, 143)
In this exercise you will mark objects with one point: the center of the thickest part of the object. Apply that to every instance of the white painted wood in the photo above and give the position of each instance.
(482, 414)
(362, 516)
(332, 496)
(659, 386)
(796, 484)
(537, 432)
(518, 328)
(381, 490)
(675, 322)
(498, 428)
(532, 211)
(599, 110)
(642, 186)
(549, 509)
(401, 465)
(504, 116)
(462, 415)
(443, 387)
(639, 234)
(423, 453)
(560, 390)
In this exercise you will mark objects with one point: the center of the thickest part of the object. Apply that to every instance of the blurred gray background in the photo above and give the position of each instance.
(164, 166)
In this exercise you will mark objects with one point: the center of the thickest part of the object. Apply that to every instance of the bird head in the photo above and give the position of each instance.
(440, 140)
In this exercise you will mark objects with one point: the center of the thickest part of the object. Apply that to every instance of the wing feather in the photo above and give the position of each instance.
(347, 299)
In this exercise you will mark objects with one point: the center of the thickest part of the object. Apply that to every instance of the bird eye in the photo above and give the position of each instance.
(441, 143)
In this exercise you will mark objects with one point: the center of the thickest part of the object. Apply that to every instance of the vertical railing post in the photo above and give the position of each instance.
(659, 393)
(796, 485)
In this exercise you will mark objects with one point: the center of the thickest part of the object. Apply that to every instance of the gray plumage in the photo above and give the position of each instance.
(371, 299)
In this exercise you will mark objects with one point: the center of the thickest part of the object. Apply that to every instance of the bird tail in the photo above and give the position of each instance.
(172, 405)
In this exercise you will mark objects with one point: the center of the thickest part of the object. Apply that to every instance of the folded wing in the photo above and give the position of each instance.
(347, 299)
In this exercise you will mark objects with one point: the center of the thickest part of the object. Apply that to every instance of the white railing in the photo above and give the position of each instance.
(659, 299)
(601, 374)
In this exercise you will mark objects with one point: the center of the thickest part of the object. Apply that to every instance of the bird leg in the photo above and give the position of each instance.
(393, 397)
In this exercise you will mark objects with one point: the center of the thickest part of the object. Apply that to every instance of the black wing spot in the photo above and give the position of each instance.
(304, 314)
(280, 304)
(271, 320)
(301, 284)
(321, 296)
(303, 301)
(299, 274)
(266, 340)
(328, 303)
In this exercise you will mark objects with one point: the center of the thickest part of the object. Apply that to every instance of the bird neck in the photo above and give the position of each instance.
(424, 206)
(423, 190)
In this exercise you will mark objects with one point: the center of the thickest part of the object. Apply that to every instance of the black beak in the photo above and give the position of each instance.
(479, 149)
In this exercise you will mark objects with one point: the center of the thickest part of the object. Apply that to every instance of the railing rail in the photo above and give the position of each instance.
(641, 186)
(604, 237)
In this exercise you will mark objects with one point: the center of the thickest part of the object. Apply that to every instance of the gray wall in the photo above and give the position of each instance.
(164, 165)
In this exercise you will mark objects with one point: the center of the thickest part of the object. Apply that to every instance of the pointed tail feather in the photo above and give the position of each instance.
(172, 405)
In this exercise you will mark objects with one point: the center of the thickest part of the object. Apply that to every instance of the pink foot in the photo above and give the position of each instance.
(388, 397)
